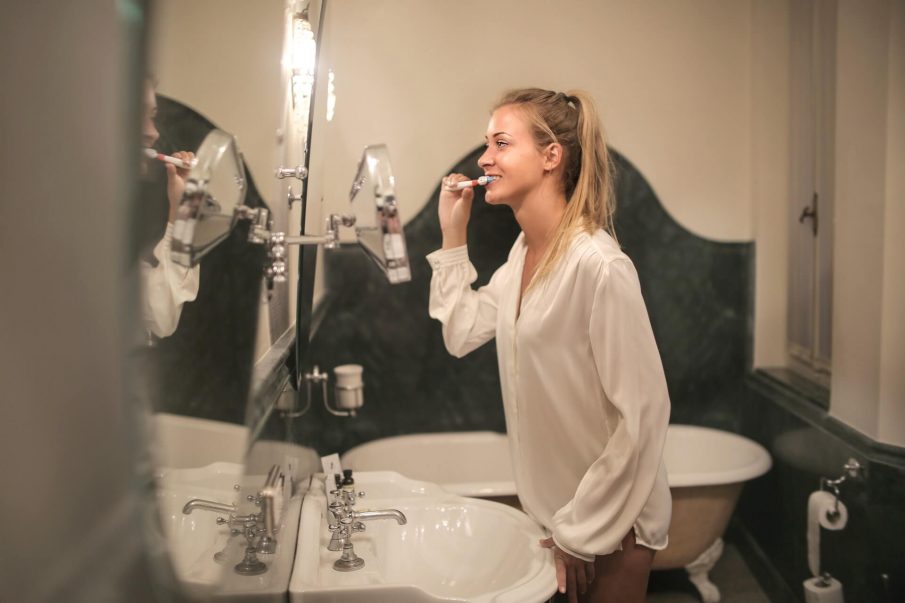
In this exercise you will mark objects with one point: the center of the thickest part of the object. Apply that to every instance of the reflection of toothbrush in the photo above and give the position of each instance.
(458, 186)
(151, 153)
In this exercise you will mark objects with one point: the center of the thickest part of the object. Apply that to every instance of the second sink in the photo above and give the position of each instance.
(451, 549)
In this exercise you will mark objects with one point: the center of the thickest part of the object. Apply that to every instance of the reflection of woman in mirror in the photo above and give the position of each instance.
(166, 285)
(585, 396)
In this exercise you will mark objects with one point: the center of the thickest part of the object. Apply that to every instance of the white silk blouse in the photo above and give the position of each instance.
(165, 288)
(584, 393)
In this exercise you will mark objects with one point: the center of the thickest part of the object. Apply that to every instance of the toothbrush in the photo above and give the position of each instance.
(459, 186)
(152, 154)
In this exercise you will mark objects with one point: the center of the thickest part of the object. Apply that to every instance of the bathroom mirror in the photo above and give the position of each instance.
(378, 225)
(215, 187)
(229, 81)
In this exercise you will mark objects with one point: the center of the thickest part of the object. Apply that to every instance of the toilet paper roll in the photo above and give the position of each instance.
(814, 592)
(820, 507)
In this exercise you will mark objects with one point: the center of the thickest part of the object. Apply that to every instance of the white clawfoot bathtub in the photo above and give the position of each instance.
(706, 469)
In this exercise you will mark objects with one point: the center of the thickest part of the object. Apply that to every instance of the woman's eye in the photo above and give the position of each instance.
(501, 144)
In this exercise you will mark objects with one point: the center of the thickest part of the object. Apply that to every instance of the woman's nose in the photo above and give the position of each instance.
(484, 160)
(149, 133)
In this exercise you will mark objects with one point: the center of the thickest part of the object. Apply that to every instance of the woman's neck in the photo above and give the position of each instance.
(538, 215)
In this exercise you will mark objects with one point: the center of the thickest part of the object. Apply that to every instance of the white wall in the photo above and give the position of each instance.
(672, 80)
(222, 58)
(770, 177)
(867, 383)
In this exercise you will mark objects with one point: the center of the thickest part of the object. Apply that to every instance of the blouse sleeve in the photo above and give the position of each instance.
(167, 286)
(468, 316)
(611, 495)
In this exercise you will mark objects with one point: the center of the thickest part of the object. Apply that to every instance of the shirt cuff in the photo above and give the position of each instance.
(584, 558)
(448, 257)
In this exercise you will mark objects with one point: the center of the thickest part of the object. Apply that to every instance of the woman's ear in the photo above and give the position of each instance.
(552, 156)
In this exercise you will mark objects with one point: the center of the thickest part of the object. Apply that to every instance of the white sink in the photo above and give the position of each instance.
(451, 549)
(194, 539)
(203, 554)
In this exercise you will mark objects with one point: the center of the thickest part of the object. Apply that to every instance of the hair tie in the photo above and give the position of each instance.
(572, 101)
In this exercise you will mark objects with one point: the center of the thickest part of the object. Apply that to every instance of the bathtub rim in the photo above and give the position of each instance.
(481, 489)
(759, 465)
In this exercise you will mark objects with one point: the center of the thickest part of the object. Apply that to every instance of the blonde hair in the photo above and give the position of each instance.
(572, 121)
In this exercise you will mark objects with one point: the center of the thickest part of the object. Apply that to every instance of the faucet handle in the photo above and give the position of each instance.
(336, 510)
(349, 497)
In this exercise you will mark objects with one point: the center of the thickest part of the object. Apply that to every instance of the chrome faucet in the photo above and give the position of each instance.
(259, 528)
(346, 522)
(399, 516)
(207, 505)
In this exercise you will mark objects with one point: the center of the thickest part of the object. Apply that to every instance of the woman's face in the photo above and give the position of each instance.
(149, 133)
(512, 157)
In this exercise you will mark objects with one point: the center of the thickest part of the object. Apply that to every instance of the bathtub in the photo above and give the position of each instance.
(706, 468)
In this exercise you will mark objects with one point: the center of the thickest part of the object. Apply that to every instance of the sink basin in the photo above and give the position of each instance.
(194, 539)
(203, 553)
(451, 549)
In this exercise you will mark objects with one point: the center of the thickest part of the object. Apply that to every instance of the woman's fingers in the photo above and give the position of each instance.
(187, 157)
(581, 578)
(451, 180)
(571, 584)
(573, 575)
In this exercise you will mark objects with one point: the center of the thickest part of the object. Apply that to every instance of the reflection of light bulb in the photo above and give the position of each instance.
(331, 96)
(300, 60)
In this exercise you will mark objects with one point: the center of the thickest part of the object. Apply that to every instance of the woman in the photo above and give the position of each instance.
(166, 286)
(584, 393)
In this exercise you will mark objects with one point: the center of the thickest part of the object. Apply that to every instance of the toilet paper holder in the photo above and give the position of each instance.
(852, 470)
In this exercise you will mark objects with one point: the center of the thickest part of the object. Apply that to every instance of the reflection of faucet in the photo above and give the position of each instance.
(346, 522)
(258, 528)
(207, 505)
(399, 516)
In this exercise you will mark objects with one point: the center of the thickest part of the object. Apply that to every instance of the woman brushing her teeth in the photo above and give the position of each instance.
(584, 393)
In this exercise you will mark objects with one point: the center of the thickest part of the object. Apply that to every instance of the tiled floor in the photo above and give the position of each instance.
(731, 575)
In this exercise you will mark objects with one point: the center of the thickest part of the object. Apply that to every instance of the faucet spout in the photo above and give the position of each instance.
(207, 505)
(399, 516)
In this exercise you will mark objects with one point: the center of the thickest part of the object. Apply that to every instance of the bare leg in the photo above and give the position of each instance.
(621, 576)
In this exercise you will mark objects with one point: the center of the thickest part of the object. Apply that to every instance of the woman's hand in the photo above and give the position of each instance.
(454, 210)
(573, 575)
(176, 182)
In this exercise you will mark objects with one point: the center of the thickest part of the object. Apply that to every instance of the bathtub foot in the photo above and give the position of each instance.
(699, 570)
